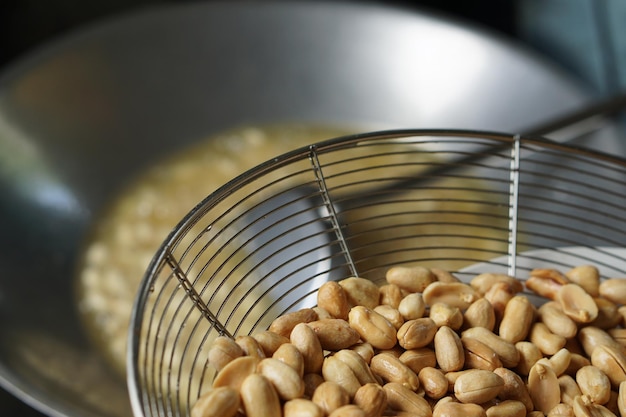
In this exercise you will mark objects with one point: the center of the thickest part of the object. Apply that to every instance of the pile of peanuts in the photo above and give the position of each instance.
(425, 344)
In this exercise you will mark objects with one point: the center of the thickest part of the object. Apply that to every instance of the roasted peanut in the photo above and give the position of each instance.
(269, 341)
(479, 356)
(455, 294)
(360, 291)
(449, 350)
(577, 304)
(217, 402)
(301, 407)
(455, 409)
(334, 334)
(507, 408)
(445, 315)
(329, 396)
(365, 350)
(550, 274)
(322, 314)
(611, 361)
(517, 319)
(506, 351)
(499, 296)
(233, 374)
(608, 315)
(548, 342)
(576, 362)
(443, 275)
(621, 398)
(357, 365)
(372, 399)
(303, 337)
(480, 314)
(584, 407)
(416, 333)
(259, 397)
(561, 410)
(332, 298)
(529, 354)
(594, 384)
(569, 389)
(543, 387)
(412, 306)
(391, 369)
(477, 386)
(390, 295)
(560, 361)
(543, 287)
(614, 290)
(285, 323)
(418, 359)
(349, 410)
(223, 350)
(587, 276)
(311, 382)
(335, 370)
(412, 279)
(402, 398)
(483, 282)
(250, 346)
(372, 327)
(557, 321)
(290, 355)
(619, 335)
(286, 380)
(434, 382)
(513, 388)
(392, 315)
(591, 337)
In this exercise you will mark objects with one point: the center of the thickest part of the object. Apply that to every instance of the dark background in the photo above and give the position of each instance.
(26, 25)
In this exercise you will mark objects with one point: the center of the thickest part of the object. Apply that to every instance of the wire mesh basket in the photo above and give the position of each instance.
(261, 245)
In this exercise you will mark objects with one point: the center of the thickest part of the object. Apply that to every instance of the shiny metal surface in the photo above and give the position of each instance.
(85, 113)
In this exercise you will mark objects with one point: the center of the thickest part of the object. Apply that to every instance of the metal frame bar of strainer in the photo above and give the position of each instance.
(513, 204)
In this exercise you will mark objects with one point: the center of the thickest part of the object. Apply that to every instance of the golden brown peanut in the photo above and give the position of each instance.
(322, 314)
(455, 409)
(518, 316)
(332, 298)
(416, 333)
(543, 387)
(583, 407)
(250, 346)
(329, 396)
(514, 388)
(372, 328)
(392, 315)
(286, 381)
(390, 295)
(259, 397)
(418, 359)
(577, 304)
(443, 275)
(622, 312)
(233, 374)
(269, 341)
(591, 337)
(614, 290)
(506, 351)
(411, 279)
(336, 371)
(290, 355)
(548, 342)
(480, 314)
(608, 315)
(550, 274)
(561, 410)
(508, 408)
(311, 382)
(612, 362)
(454, 294)
(334, 334)
(412, 306)
(545, 288)
(594, 384)
(445, 315)
(576, 362)
(480, 356)
(619, 335)
(587, 276)
(357, 364)
(285, 323)
(360, 291)
(223, 350)
(499, 296)
(477, 386)
(569, 389)
(372, 399)
(217, 402)
(529, 354)
(535, 414)
(401, 398)
(391, 369)
(365, 350)
(483, 282)
(453, 376)
(434, 382)
(349, 410)
(301, 407)
(306, 341)
(560, 361)
(612, 403)
(557, 321)
(621, 399)
(449, 350)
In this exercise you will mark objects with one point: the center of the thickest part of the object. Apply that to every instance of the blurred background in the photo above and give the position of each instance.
(584, 37)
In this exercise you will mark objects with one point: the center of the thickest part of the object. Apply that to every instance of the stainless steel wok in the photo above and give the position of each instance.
(83, 114)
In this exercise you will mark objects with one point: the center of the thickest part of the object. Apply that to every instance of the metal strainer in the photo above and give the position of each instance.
(246, 255)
